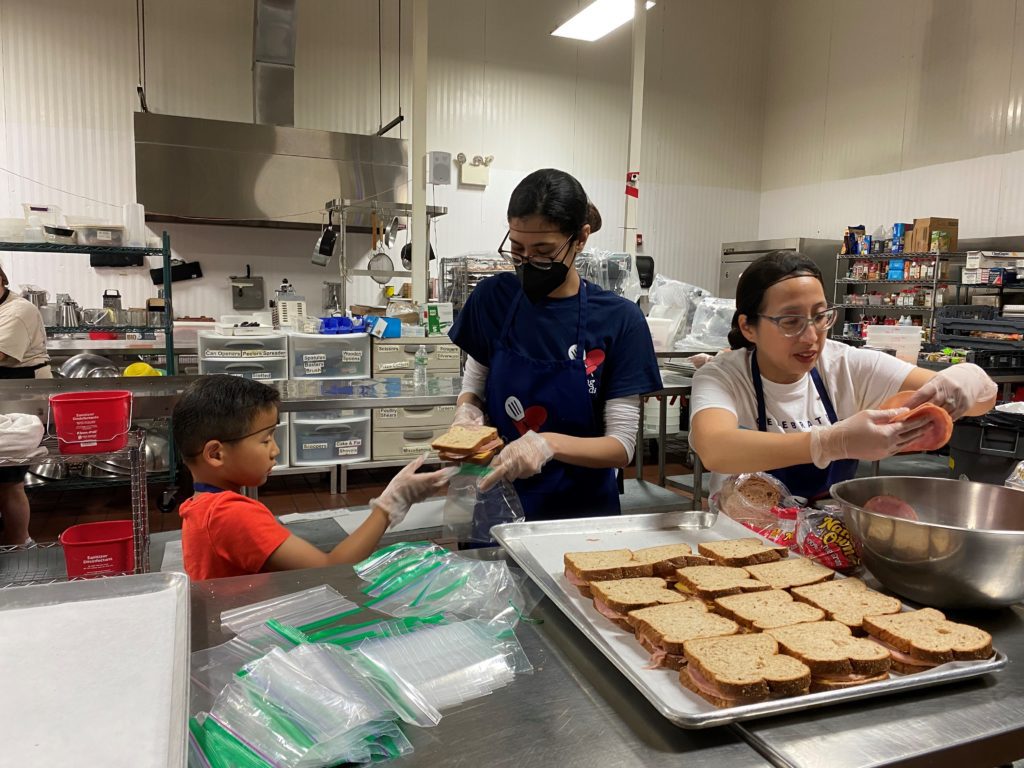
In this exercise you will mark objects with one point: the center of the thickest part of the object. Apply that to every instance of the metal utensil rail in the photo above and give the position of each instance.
(140, 509)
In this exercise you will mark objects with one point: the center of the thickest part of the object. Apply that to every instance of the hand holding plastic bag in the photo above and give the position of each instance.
(468, 415)
(408, 487)
(521, 458)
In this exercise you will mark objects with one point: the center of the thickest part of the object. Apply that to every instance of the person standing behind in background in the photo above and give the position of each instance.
(22, 356)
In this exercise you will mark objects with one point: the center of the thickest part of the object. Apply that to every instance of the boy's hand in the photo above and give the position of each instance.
(407, 487)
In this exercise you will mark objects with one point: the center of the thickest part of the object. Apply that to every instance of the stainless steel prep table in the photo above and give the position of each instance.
(674, 385)
(974, 724)
(574, 711)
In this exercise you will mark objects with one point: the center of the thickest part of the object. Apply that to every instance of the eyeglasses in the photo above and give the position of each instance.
(539, 262)
(243, 437)
(795, 325)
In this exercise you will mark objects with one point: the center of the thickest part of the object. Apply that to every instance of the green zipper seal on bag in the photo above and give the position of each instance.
(317, 637)
(441, 592)
(404, 582)
(408, 566)
(291, 634)
(226, 746)
(320, 624)
(282, 723)
(386, 550)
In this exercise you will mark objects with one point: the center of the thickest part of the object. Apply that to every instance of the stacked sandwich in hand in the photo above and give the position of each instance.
(742, 622)
(472, 444)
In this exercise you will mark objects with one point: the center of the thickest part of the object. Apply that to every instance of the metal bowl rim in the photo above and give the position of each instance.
(920, 523)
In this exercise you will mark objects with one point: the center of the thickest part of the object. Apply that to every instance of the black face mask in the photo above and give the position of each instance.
(538, 283)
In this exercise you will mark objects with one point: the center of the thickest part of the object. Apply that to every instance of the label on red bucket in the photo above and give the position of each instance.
(97, 564)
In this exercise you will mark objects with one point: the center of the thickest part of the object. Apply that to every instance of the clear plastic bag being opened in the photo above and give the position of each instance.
(469, 513)
(1016, 478)
(308, 610)
(711, 324)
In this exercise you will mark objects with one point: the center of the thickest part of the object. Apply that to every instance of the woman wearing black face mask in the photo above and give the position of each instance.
(555, 363)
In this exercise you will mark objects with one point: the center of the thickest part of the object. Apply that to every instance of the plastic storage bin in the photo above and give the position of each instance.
(987, 448)
(318, 417)
(100, 234)
(99, 549)
(905, 339)
(281, 436)
(339, 442)
(214, 346)
(396, 357)
(404, 443)
(260, 370)
(316, 356)
(417, 416)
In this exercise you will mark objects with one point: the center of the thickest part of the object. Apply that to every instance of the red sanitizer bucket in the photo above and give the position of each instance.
(92, 422)
(99, 549)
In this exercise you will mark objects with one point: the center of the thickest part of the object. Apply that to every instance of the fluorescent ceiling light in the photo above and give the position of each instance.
(598, 19)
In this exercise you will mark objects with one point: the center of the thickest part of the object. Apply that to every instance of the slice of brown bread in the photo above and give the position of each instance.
(847, 601)
(603, 565)
(464, 440)
(739, 552)
(818, 684)
(745, 667)
(829, 649)
(665, 559)
(751, 495)
(927, 635)
(624, 595)
(669, 626)
(790, 573)
(710, 581)
(765, 610)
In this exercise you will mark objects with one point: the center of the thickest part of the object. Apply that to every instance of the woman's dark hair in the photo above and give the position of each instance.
(756, 279)
(218, 408)
(556, 196)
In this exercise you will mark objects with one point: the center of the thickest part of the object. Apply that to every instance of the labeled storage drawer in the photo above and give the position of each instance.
(214, 346)
(261, 370)
(404, 443)
(317, 356)
(339, 442)
(318, 417)
(395, 356)
(416, 416)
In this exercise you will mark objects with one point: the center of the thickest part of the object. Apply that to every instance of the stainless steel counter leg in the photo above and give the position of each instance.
(662, 428)
(140, 510)
(640, 444)
(339, 480)
(334, 480)
(698, 484)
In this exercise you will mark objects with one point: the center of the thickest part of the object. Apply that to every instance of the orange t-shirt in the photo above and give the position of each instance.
(227, 534)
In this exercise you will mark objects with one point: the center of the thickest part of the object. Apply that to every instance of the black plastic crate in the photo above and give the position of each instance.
(991, 359)
(987, 448)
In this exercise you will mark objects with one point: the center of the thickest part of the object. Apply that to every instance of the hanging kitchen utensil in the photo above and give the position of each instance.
(325, 245)
(381, 268)
(407, 254)
(391, 236)
(373, 229)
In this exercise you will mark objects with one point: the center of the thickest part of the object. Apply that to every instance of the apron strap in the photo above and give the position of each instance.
(206, 488)
(819, 385)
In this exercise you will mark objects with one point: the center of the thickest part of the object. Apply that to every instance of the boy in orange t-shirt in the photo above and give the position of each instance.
(224, 427)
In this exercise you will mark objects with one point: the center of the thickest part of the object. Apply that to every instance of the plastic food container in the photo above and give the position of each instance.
(100, 234)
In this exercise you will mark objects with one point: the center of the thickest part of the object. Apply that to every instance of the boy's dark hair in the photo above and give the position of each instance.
(218, 408)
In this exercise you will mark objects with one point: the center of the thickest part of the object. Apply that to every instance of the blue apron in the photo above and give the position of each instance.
(804, 479)
(550, 396)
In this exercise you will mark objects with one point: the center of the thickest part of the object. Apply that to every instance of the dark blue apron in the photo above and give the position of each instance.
(550, 396)
(804, 479)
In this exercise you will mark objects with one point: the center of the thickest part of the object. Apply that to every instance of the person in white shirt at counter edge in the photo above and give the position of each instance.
(789, 401)
(22, 356)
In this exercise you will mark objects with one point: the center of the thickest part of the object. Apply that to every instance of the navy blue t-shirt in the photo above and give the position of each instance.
(617, 338)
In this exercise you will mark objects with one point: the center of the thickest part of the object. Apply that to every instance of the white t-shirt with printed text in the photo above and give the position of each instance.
(855, 380)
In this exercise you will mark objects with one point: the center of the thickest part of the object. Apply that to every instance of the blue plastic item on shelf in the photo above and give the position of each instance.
(394, 326)
(341, 325)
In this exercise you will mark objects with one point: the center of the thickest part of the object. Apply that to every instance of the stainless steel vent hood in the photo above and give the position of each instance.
(216, 172)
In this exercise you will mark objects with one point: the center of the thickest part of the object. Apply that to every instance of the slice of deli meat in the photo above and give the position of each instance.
(891, 506)
(939, 430)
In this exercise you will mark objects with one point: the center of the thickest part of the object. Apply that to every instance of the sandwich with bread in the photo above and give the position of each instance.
(667, 558)
(740, 552)
(847, 601)
(616, 598)
(771, 608)
(581, 568)
(734, 670)
(923, 639)
(712, 581)
(835, 657)
(793, 572)
(465, 443)
(662, 629)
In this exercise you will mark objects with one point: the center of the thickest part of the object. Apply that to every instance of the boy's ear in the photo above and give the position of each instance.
(213, 453)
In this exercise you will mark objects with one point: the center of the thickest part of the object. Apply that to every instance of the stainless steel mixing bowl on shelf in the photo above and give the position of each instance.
(965, 550)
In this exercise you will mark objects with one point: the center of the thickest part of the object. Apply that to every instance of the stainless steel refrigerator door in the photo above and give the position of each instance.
(729, 276)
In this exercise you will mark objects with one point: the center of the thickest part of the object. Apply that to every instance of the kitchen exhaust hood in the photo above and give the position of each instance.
(201, 171)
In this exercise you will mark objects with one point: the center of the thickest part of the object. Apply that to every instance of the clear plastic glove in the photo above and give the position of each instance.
(521, 458)
(957, 389)
(468, 415)
(868, 436)
(407, 487)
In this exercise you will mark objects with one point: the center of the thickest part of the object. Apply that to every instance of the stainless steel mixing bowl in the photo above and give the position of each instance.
(966, 549)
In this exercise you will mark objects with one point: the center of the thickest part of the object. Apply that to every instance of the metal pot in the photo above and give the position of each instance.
(47, 472)
(965, 550)
(68, 315)
(38, 298)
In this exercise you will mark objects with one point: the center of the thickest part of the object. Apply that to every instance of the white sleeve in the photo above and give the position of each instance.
(474, 378)
(712, 389)
(622, 420)
(877, 376)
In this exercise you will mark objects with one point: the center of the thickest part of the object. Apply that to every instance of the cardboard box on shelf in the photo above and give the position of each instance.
(440, 316)
(922, 238)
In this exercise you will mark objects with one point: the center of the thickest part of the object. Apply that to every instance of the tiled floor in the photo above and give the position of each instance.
(54, 510)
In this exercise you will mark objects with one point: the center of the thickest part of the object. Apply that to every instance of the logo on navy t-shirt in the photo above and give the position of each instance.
(592, 360)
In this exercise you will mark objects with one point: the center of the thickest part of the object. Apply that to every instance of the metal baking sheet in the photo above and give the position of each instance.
(96, 672)
(538, 548)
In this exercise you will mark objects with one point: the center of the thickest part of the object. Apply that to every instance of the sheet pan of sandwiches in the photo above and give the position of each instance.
(714, 626)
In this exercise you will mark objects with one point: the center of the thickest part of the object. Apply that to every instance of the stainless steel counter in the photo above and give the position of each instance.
(577, 710)
(574, 711)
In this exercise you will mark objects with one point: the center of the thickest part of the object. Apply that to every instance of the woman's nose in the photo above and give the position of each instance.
(810, 333)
